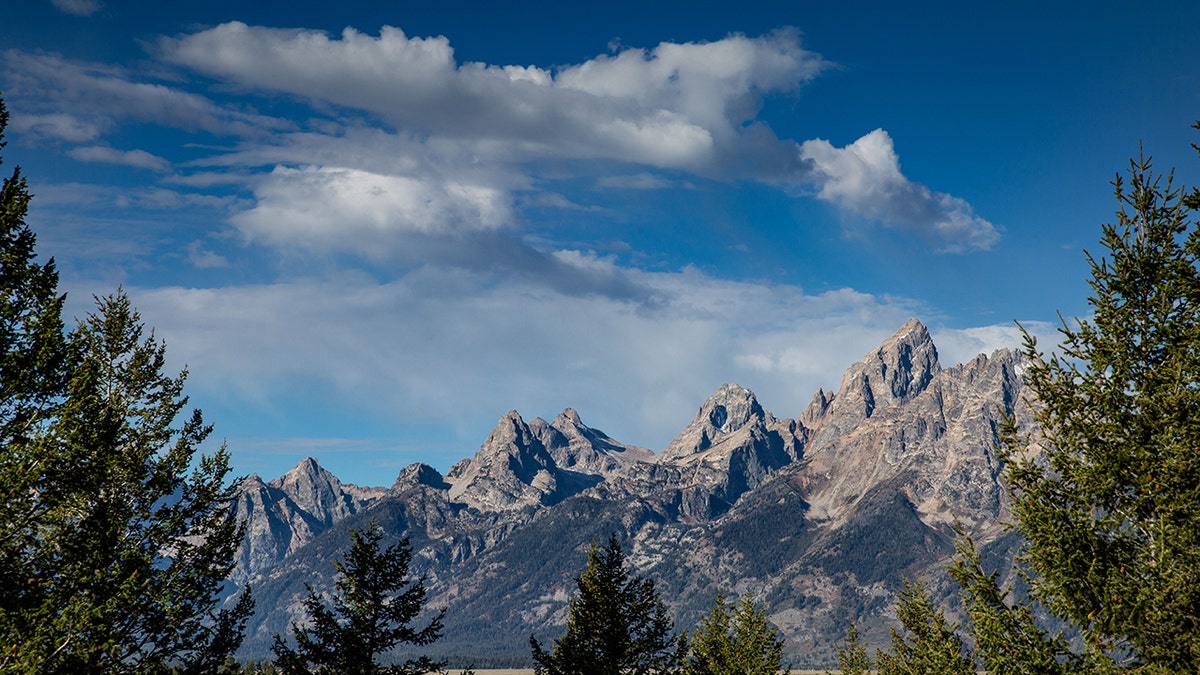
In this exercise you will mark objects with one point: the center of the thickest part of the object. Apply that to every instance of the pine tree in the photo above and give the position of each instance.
(135, 534)
(1111, 511)
(616, 624)
(928, 644)
(734, 639)
(113, 554)
(33, 367)
(1005, 631)
(373, 612)
(852, 654)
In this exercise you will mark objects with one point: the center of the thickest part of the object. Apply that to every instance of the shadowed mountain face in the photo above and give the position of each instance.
(820, 516)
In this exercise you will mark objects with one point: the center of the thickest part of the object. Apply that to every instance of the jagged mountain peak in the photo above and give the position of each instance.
(731, 411)
(836, 506)
(730, 408)
(419, 474)
(580, 448)
(906, 362)
(511, 470)
(568, 417)
(510, 425)
(899, 369)
(308, 483)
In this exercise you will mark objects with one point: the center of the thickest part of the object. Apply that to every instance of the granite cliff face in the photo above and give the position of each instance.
(285, 514)
(821, 516)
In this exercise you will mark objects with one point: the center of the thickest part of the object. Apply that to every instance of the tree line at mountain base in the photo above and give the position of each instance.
(117, 532)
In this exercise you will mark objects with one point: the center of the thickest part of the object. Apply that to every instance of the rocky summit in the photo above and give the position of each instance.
(820, 516)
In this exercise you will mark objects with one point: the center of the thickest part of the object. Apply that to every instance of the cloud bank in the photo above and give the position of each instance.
(455, 145)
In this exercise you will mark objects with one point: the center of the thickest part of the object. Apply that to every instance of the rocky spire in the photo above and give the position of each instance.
(729, 448)
(511, 470)
(315, 490)
(728, 410)
(578, 447)
(897, 370)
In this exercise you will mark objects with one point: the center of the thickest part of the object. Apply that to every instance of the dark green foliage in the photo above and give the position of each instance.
(33, 371)
(928, 644)
(33, 352)
(115, 537)
(616, 624)
(1007, 637)
(852, 654)
(734, 639)
(134, 538)
(1111, 513)
(372, 613)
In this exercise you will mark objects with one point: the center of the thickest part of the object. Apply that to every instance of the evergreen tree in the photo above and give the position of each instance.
(373, 612)
(1111, 511)
(928, 645)
(852, 654)
(33, 367)
(113, 546)
(734, 639)
(616, 624)
(1005, 632)
(133, 542)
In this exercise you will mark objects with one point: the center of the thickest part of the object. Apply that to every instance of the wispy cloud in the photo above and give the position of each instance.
(62, 126)
(864, 177)
(641, 181)
(77, 7)
(449, 344)
(100, 96)
(136, 158)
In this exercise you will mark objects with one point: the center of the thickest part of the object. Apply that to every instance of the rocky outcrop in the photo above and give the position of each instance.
(938, 432)
(728, 449)
(896, 371)
(577, 447)
(285, 514)
(513, 470)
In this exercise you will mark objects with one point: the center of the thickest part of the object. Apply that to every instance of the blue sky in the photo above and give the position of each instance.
(370, 229)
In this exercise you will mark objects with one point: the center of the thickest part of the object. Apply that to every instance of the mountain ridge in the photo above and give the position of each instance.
(821, 515)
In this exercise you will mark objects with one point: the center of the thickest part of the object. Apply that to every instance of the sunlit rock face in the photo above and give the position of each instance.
(285, 514)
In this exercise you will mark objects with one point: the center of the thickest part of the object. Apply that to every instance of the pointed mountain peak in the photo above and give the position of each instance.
(913, 333)
(816, 408)
(308, 465)
(907, 361)
(512, 469)
(419, 474)
(567, 417)
(730, 408)
(510, 432)
(306, 471)
(582, 449)
(897, 370)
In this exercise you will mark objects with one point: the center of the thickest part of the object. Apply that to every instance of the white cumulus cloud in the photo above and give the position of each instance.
(670, 106)
(352, 209)
(864, 177)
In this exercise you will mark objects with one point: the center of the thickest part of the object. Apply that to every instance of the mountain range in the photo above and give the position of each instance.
(820, 516)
